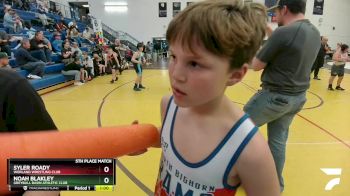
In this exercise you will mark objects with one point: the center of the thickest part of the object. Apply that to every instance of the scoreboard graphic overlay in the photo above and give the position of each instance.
(61, 174)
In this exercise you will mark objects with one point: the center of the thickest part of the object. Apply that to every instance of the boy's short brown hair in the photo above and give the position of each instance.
(227, 28)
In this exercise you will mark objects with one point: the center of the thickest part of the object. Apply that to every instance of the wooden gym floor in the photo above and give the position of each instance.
(319, 135)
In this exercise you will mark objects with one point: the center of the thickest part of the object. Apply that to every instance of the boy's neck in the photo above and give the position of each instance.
(210, 108)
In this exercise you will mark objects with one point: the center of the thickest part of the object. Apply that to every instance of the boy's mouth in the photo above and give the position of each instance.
(178, 92)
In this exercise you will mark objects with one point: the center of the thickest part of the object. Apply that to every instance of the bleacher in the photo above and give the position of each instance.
(53, 76)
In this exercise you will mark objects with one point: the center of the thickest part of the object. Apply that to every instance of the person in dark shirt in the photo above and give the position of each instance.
(4, 42)
(66, 53)
(22, 109)
(75, 69)
(99, 68)
(27, 62)
(319, 61)
(40, 47)
(16, 112)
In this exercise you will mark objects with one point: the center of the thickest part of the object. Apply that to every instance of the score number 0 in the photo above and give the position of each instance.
(106, 170)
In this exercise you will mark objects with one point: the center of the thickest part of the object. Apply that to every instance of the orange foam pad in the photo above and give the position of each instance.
(107, 142)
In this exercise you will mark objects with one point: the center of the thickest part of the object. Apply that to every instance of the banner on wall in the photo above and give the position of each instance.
(176, 8)
(318, 7)
(189, 3)
(162, 9)
(97, 26)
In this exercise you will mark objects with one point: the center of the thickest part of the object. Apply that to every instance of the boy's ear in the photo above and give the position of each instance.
(236, 75)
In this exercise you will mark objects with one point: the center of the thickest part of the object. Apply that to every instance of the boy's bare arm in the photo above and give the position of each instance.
(163, 106)
(256, 169)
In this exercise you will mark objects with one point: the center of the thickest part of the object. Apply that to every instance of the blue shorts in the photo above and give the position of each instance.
(138, 69)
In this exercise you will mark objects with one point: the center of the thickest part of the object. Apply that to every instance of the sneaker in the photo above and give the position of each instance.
(142, 87)
(35, 77)
(316, 78)
(330, 88)
(137, 89)
(78, 83)
(112, 81)
(339, 88)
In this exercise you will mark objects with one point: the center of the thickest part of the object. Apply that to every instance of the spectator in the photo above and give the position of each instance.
(21, 106)
(57, 43)
(43, 17)
(18, 26)
(27, 62)
(76, 51)
(98, 66)
(319, 61)
(4, 61)
(340, 58)
(40, 47)
(4, 43)
(75, 69)
(30, 30)
(9, 22)
(73, 32)
(87, 33)
(148, 52)
(88, 65)
(60, 26)
(67, 54)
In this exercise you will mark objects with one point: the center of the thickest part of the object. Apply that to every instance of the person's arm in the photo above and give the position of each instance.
(133, 59)
(116, 59)
(256, 169)
(29, 57)
(120, 48)
(163, 109)
(257, 64)
(25, 110)
(268, 52)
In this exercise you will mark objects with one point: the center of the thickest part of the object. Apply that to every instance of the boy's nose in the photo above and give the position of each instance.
(179, 73)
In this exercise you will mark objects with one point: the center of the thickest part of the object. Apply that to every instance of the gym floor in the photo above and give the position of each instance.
(319, 135)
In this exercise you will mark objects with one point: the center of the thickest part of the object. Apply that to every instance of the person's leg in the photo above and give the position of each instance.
(34, 68)
(114, 75)
(259, 110)
(340, 79)
(39, 69)
(341, 71)
(334, 73)
(74, 73)
(277, 131)
(317, 69)
(28, 67)
(330, 82)
(141, 86)
(39, 54)
(138, 71)
(48, 54)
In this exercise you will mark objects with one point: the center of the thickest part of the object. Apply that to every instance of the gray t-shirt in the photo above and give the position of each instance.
(290, 53)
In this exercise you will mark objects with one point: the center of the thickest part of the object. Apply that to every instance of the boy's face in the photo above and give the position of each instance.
(4, 62)
(198, 79)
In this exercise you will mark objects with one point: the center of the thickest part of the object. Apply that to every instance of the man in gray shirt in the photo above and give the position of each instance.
(286, 58)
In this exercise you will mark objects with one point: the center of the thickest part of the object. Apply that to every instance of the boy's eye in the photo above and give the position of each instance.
(193, 64)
